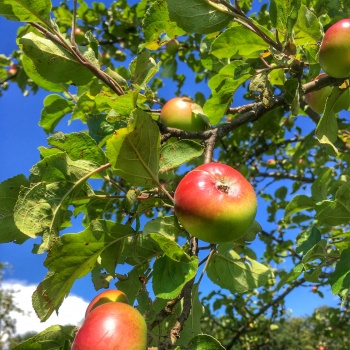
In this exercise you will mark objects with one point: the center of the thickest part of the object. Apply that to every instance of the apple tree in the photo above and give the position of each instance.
(247, 67)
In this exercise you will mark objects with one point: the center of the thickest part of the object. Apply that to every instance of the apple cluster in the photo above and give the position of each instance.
(111, 324)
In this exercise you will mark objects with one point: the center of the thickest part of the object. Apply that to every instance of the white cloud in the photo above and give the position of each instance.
(71, 312)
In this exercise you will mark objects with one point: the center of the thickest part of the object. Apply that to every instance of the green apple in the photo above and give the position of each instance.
(107, 296)
(317, 99)
(112, 326)
(334, 54)
(215, 203)
(182, 113)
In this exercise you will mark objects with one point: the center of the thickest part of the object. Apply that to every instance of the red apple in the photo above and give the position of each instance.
(12, 70)
(215, 203)
(314, 289)
(107, 296)
(317, 99)
(182, 113)
(334, 54)
(112, 326)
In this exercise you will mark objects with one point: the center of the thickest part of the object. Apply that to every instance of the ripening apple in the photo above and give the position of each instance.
(79, 35)
(215, 203)
(172, 46)
(107, 296)
(182, 113)
(334, 54)
(317, 99)
(112, 326)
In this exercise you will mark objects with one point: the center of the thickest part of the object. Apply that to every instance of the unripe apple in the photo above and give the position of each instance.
(107, 296)
(182, 113)
(271, 163)
(317, 99)
(79, 35)
(172, 46)
(334, 54)
(112, 326)
(215, 203)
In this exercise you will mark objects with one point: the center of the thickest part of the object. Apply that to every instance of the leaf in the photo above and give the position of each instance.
(54, 63)
(204, 342)
(319, 188)
(223, 86)
(26, 10)
(167, 226)
(55, 108)
(327, 127)
(9, 191)
(238, 275)
(78, 146)
(284, 15)
(340, 278)
(335, 212)
(308, 28)
(198, 16)
(310, 239)
(238, 41)
(174, 154)
(318, 251)
(299, 203)
(169, 276)
(170, 248)
(72, 257)
(52, 338)
(157, 22)
(142, 69)
(134, 151)
(291, 276)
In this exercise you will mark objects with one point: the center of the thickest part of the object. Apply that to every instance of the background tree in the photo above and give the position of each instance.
(109, 68)
(7, 306)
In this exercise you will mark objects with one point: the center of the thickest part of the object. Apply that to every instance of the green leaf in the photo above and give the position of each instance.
(9, 191)
(134, 151)
(26, 10)
(340, 279)
(204, 342)
(308, 28)
(284, 15)
(157, 22)
(174, 154)
(54, 63)
(319, 188)
(318, 251)
(169, 276)
(291, 276)
(223, 86)
(308, 240)
(52, 338)
(167, 226)
(72, 257)
(299, 203)
(335, 212)
(78, 145)
(198, 16)
(170, 248)
(327, 127)
(237, 274)
(142, 69)
(238, 41)
(55, 108)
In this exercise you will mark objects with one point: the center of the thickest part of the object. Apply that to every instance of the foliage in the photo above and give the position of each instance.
(120, 173)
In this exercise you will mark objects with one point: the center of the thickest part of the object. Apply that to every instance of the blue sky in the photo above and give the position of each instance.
(21, 137)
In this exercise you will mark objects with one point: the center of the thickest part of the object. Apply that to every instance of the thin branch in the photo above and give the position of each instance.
(285, 176)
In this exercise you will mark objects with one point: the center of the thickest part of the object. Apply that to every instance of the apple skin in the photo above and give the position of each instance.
(317, 99)
(215, 203)
(112, 326)
(334, 54)
(182, 113)
(107, 296)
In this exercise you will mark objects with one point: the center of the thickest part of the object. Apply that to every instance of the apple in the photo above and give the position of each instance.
(182, 113)
(79, 35)
(317, 99)
(112, 326)
(314, 289)
(271, 163)
(172, 46)
(334, 54)
(215, 203)
(107, 296)
(12, 70)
